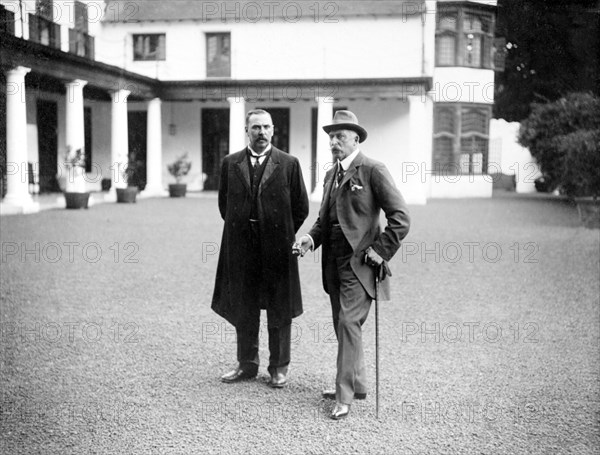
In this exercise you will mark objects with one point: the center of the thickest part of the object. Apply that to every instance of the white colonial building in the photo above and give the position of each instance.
(149, 81)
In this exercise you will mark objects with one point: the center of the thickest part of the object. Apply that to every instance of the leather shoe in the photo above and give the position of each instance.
(278, 381)
(330, 395)
(237, 375)
(340, 411)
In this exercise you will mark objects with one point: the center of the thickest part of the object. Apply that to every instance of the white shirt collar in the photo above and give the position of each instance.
(253, 153)
(346, 162)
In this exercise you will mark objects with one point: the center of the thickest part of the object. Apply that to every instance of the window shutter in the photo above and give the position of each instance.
(54, 35)
(161, 53)
(34, 28)
(73, 38)
(90, 46)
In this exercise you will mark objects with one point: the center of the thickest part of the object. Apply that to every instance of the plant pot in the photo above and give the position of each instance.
(589, 212)
(127, 195)
(106, 184)
(77, 200)
(177, 189)
(543, 185)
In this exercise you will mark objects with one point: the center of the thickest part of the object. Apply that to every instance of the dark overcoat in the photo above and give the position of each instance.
(366, 190)
(282, 208)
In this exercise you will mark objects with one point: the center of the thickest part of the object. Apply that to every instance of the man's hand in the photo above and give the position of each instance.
(372, 258)
(302, 246)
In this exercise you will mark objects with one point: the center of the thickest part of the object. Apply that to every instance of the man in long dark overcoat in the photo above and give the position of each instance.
(263, 201)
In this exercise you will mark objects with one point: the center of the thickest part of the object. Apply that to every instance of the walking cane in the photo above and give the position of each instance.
(377, 274)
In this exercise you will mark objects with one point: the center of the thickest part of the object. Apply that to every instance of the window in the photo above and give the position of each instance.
(80, 43)
(464, 37)
(218, 55)
(41, 28)
(7, 21)
(445, 39)
(44, 8)
(461, 138)
(81, 17)
(149, 47)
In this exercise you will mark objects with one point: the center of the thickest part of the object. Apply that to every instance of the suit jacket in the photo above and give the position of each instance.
(282, 208)
(366, 189)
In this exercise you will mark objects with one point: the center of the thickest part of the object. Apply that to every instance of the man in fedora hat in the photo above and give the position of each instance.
(356, 189)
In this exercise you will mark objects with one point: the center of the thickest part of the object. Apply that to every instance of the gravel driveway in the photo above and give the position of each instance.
(489, 345)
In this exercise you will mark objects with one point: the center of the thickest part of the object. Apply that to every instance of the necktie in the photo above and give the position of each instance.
(256, 161)
(339, 176)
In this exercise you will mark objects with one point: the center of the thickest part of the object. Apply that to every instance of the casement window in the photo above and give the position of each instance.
(7, 21)
(149, 47)
(80, 43)
(461, 138)
(218, 55)
(41, 27)
(464, 37)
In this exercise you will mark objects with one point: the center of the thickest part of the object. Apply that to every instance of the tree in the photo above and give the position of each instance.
(552, 49)
(564, 138)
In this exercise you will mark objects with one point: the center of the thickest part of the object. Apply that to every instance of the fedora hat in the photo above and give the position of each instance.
(346, 120)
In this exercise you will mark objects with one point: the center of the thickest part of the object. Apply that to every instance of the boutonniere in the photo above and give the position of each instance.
(355, 187)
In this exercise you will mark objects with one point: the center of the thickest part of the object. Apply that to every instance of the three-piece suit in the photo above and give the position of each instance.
(347, 225)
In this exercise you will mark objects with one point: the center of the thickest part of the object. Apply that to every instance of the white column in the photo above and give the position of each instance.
(75, 132)
(154, 186)
(323, 163)
(237, 123)
(119, 139)
(17, 199)
(418, 163)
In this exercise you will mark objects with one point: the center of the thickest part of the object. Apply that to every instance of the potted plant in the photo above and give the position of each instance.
(564, 138)
(179, 169)
(129, 193)
(76, 197)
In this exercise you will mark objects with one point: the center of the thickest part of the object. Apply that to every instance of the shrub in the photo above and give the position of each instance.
(581, 162)
(563, 137)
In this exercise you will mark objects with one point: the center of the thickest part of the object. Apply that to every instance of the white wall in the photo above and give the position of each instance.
(351, 48)
(510, 157)
(187, 139)
(463, 85)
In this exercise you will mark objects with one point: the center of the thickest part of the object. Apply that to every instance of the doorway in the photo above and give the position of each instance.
(281, 131)
(47, 126)
(137, 128)
(215, 145)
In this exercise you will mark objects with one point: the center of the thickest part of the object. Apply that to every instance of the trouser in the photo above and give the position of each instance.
(350, 306)
(248, 327)
(247, 344)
